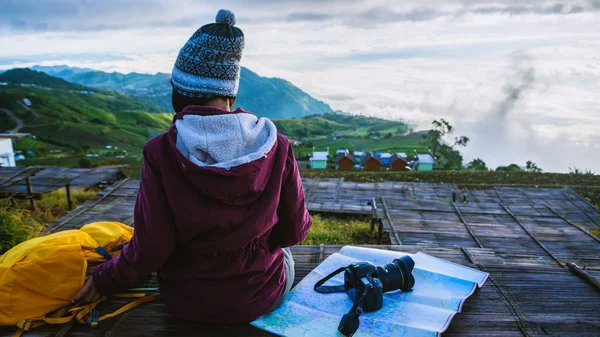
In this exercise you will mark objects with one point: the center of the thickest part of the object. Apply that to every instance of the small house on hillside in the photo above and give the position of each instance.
(385, 158)
(358, 156)
(424, 162)
(344, 161)
(371, 162)
(319, 159)
(340, 151)
(27, 101)
(7, 153)
(398, 162)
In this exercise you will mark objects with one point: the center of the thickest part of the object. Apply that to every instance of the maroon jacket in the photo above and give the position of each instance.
(213, 234)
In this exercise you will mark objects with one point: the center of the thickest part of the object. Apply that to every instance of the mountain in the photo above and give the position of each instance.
(28, 76)
(276, 98)
(68, 117)
(266, 97)
(55, 70)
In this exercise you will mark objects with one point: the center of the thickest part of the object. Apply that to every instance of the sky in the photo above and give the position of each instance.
(521, 79)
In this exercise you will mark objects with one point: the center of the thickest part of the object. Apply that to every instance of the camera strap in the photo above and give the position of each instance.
(350, 321)
(320, 288)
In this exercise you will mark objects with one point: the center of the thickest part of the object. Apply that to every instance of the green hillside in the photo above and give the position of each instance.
(340, 126)
(266, 97)
(76, 120)
(71, 120)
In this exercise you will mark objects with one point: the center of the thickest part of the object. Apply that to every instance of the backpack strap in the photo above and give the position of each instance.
(84, 314)
(104, 253)
(76, 313)
(144, 299)
(60, 312)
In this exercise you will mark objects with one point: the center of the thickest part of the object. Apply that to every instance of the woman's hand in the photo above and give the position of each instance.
(88, 293)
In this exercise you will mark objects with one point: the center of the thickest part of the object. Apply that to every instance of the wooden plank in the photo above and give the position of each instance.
(467, 226)
(533, 237)
(48, 179)
(519, 317)
(394, 238)
(529, 295)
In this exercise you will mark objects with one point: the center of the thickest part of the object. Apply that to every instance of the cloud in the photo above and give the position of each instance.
(302, 16)
(516, 88)
(7, 62)
(543, 10)
(87, 15)
(384, 14)
(91, 15)
(339, 97)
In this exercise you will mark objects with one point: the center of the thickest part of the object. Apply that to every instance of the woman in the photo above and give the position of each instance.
(220, 197)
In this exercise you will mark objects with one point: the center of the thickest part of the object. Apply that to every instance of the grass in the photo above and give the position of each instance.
(335, 230)
(325, 126)
(397, 143)
(18, 224)
(72, 121)
(33, 145)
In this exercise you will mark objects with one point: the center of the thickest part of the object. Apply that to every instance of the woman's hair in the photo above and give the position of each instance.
(180, 102)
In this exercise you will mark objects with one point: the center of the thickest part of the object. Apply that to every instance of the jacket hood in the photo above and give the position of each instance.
(226, 155)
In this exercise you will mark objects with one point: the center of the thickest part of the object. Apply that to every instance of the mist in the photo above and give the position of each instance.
(506, 133)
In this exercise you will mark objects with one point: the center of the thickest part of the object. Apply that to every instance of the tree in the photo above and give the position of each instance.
(575, 171)
(509, 168)
(442, 142)
(477, 164)
(388, 135)
(85, 163)
(303, 132)
(532, 167)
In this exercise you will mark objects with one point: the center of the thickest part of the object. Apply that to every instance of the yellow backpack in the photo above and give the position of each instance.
(42, 275)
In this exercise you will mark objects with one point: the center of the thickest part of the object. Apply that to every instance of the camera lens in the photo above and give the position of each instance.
(397, 275)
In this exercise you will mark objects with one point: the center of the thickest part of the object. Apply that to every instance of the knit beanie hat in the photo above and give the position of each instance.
(208, 65)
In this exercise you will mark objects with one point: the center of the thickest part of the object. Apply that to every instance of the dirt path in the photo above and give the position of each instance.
(19, 122)
(28, 109)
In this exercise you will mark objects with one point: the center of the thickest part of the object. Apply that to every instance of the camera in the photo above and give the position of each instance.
(364, 278)
(365, 284)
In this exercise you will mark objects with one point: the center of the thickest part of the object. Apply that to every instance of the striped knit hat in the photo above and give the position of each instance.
(208, 65)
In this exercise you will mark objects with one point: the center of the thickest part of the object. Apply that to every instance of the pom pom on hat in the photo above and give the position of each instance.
(225, 16)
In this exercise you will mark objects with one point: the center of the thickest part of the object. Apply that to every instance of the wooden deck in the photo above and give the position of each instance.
(14, 181)
(522, 236)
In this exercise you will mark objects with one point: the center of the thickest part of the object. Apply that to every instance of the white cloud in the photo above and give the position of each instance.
(404, 60)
